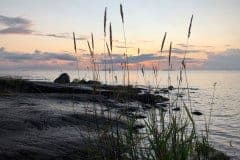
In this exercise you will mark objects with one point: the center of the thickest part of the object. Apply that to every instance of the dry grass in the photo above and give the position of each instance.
(110, 37)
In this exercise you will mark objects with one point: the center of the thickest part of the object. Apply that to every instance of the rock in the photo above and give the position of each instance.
(170, 88)
(179, 95)
(138, 126)
(93, 82)
(146, 106)
(63, 79)
(151, 99)
(136, 116)
(162, 104)
(164, 90)
(176, 109)
(197, 113)
(78, 81)
(163, 110)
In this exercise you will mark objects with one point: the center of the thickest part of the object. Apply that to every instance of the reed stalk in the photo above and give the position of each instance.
(125, 44)
(75, 50)
(105, 34)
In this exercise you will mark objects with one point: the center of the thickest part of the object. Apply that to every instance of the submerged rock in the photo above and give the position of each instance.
(63, 79)
(176, 109)
(197, 113)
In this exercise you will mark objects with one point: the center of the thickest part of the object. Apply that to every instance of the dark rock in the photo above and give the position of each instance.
(156, 92)
(197, 113)
(77, 81)
(63, 79)
(180, 95)
(136, 116)
(163, 110)
(162, 104)
(170, 88)
(138, 126)
(94, 82)
(146, 106)
(164, 90)
(176, 109)
(151, 99)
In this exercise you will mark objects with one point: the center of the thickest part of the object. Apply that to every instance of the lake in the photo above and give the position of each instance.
(225, 127)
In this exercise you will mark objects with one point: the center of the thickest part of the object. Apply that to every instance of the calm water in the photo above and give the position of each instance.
(225, 128)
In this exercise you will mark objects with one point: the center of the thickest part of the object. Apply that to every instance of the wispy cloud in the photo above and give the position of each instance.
(20, 25)
(182, 51)
(194, 46)
(118, 58)
(61, 35)
(228, 59)
(122, 46)
(37, 55)
(15, 25)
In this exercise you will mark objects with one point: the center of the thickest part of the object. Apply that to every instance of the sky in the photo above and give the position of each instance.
(38, 34)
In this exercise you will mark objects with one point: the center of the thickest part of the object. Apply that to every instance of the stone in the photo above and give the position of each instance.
(197, 113)
(170, 88)
(63, 79)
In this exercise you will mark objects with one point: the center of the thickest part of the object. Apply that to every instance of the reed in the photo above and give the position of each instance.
(110, 49)
(104, 41)
(91, 51)
(125, 66)
(175, 139)
(169, 63)
(190, 27)
(169, 55)
(110, 37)
(110, 55)
(75, 50)
(163, 41)
(184, 63)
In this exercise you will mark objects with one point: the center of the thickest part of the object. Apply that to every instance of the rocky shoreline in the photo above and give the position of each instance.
(46, 120)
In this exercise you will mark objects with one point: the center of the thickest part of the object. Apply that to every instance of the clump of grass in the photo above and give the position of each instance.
(11, 84)
(162, 139)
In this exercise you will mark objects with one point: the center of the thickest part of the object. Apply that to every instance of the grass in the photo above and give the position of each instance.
(167, 136)
(11, 84)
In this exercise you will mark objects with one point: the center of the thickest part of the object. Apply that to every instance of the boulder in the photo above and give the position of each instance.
(170, 88)
(63, 79)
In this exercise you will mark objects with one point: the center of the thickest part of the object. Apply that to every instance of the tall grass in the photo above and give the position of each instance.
(167, 135)
(104, 41)
(75, 50)
(91, 51)
(125, 62)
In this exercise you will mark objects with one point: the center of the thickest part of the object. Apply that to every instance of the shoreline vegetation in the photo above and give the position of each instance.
(126, 122)
(90, 120)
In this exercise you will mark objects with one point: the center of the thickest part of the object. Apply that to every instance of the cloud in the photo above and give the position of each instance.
(19, 25)
(15, 25)
(61, 35)
(37, 55)
(145, 57)
(198, 46)
(49, 60)
(35, 60)
(228, 60)
(182, 51)
(118, 58)
(121, 46)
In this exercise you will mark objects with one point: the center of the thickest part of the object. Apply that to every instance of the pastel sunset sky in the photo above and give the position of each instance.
(39, 32)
